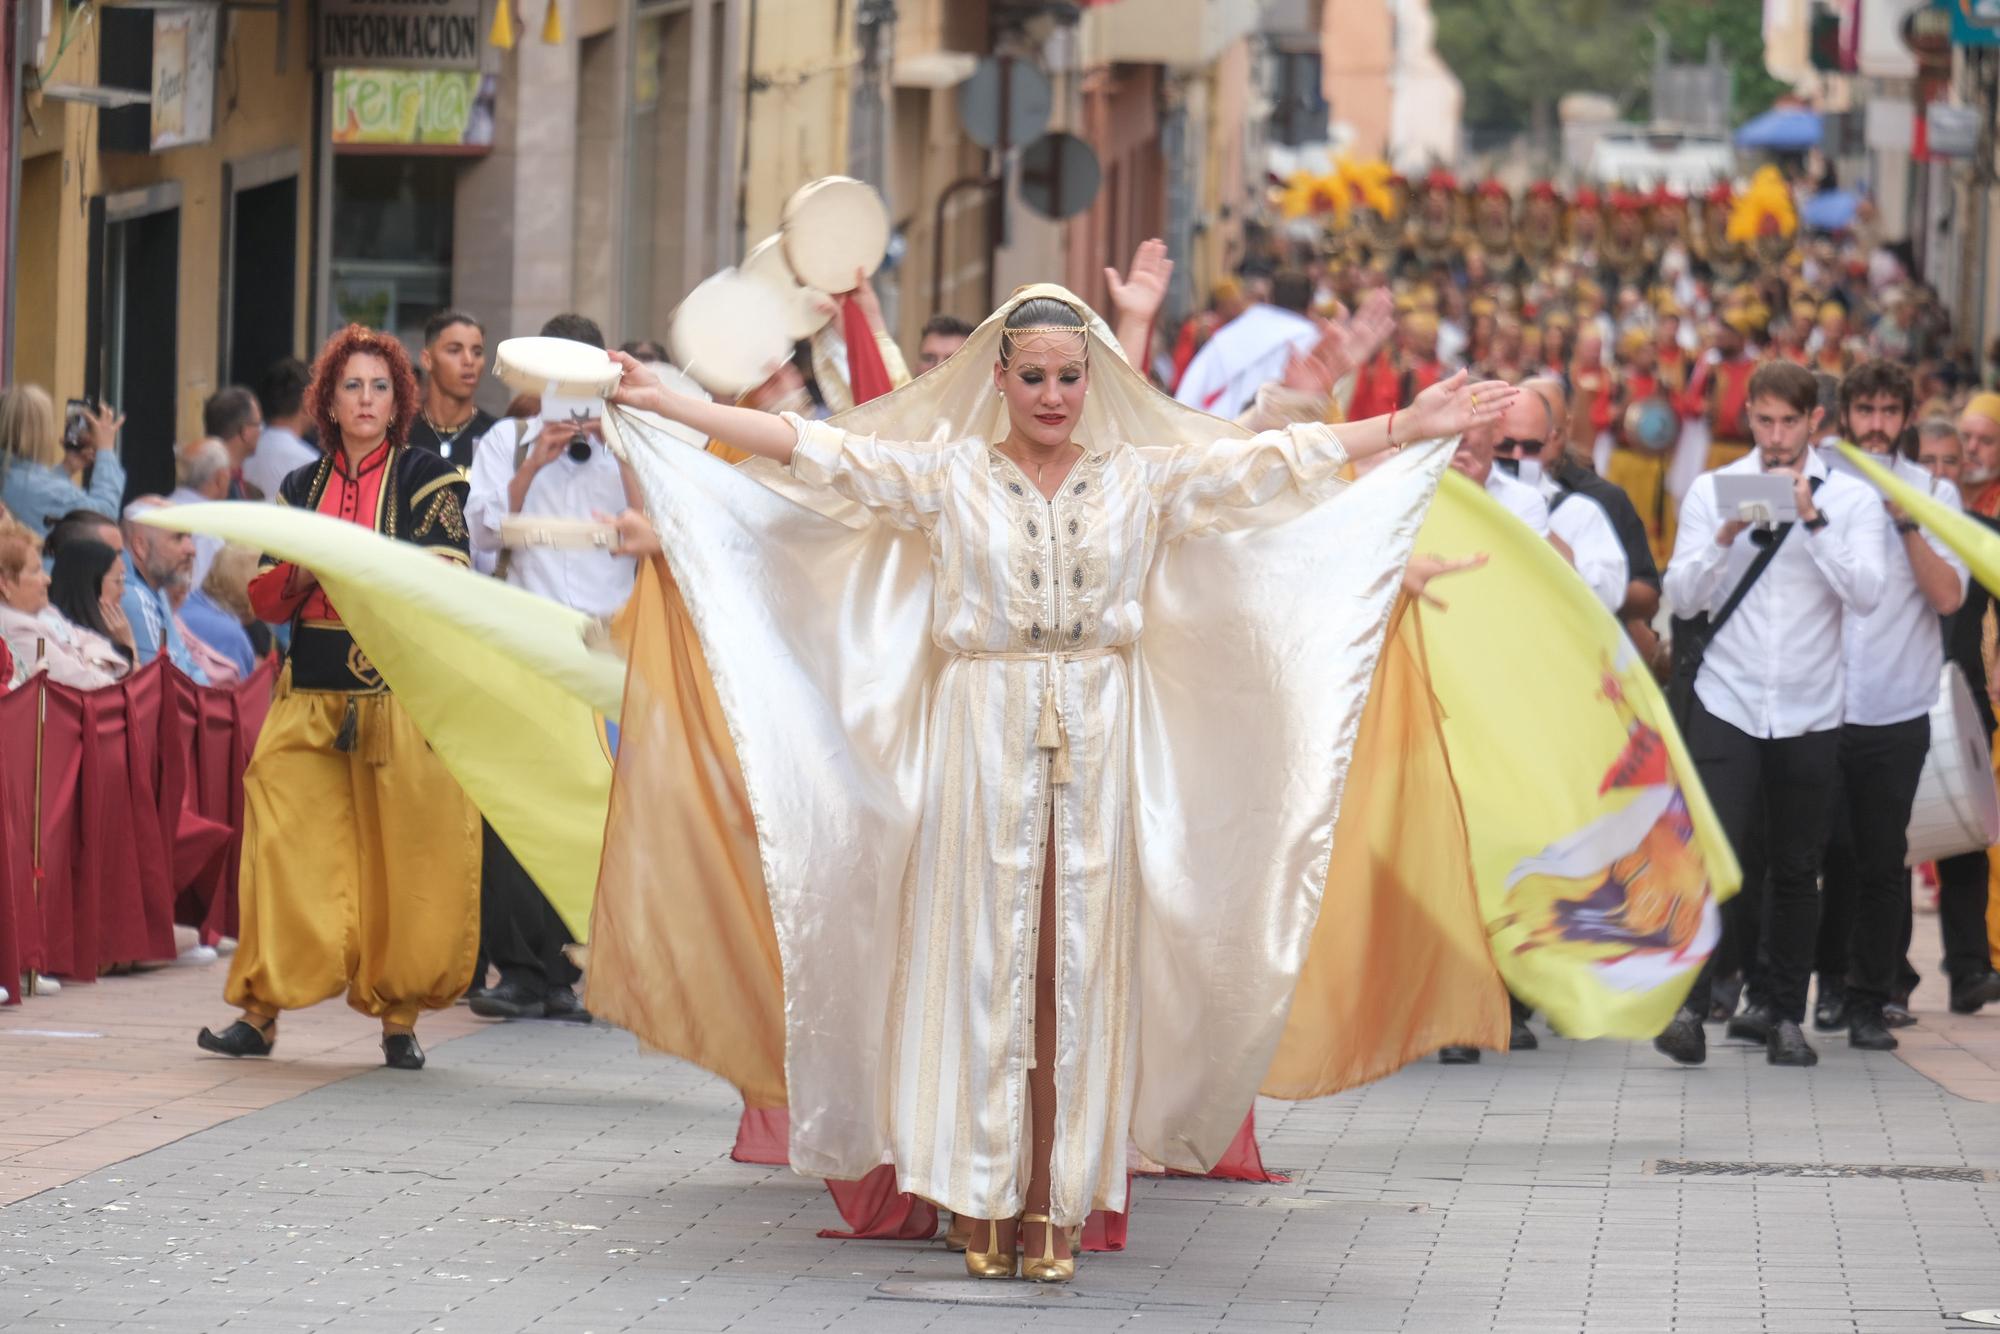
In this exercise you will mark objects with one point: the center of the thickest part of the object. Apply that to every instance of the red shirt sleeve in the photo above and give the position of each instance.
(268, 595)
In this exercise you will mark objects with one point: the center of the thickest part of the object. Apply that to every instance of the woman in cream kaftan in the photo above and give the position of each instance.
(932, 675)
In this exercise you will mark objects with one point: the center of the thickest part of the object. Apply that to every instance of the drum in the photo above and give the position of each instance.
(1957, 807)
(555, 368)
(832, 227)
(808, 309)
(1652, 425)
(729, 333)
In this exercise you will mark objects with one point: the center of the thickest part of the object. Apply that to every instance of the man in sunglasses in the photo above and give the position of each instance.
(1585, 511)
(1770, 693)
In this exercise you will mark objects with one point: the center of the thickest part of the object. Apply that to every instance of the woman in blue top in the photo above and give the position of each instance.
(40, 478)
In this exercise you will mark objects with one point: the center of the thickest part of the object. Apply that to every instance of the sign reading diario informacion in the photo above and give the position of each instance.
(398, 34)
(444, 110)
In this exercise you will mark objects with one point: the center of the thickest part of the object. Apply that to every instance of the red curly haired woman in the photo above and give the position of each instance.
(360, 853)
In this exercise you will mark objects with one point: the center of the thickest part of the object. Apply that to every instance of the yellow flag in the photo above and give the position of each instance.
(1599, 861)
(500, 681)
(1971, 541)
(501, 35)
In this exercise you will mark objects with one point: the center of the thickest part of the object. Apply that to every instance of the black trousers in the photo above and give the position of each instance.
(1962, 914)
(1865, 927)
(1779, 789)
(519, 933)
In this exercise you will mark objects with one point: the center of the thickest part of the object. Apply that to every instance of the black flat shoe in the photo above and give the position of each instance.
(1754, 1024)
(1728, 992)
(1896, 1014)
(401, 1052)
(1787, 1045)
(563, 1004)
(1867, 1032)
(1458, 1056)
(509, 1000)
(241, 1038)
(1970, 993)
(1831, 1014)
(1683, 1040)
(1523, 1038)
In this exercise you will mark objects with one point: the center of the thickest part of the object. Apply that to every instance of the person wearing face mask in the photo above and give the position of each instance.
(1583, 513)
(360, 853)
(1892, 657)
(1768, 693)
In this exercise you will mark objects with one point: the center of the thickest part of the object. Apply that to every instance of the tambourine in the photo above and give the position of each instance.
(729, 333)
(557, 534)
(1651, 424)
(555, 368)
(831, 228)
(807, 308)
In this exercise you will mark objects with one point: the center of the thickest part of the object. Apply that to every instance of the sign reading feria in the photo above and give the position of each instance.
(398, 34)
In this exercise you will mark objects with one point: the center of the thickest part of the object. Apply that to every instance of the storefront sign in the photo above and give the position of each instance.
(1973, 22)
(439, 109)
(403, 34)
(183, 106)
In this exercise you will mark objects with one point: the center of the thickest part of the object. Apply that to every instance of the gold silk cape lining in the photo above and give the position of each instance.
(775, 773)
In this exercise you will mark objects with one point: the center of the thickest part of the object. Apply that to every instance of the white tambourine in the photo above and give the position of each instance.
(555, 368)
(557, 534)
(832, 227)
(807, 308)
(729, 333)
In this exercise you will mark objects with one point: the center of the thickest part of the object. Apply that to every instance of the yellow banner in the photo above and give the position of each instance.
(1599, 861)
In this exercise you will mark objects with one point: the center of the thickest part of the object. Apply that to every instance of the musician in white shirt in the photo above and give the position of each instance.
(1770, 694)
(1892, 659)
(555, 469)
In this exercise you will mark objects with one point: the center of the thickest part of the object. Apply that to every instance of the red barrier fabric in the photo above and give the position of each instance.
(140, 817)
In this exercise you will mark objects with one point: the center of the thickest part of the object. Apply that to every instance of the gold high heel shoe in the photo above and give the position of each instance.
(1045, 1268)
(991, 1262)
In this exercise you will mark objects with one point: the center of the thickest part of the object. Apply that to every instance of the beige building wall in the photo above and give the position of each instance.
(802, 65)
(1357, 56)
(257, 111)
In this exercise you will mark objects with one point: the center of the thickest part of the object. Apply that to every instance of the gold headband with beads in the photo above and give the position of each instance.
(1032, 338)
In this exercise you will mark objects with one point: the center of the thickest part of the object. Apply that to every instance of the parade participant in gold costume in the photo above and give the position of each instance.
(360, 853)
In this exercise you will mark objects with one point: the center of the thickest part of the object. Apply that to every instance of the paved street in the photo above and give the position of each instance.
(542, 1177)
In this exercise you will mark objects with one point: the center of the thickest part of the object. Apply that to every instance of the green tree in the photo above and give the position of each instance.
(1518, 58)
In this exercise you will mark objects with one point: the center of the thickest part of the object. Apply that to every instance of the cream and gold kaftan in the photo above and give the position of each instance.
(837, 723)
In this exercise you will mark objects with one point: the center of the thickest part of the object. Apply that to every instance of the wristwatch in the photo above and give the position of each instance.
(1815, 523)
(1906, 526)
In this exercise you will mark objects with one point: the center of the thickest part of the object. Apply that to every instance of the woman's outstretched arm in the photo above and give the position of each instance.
(761, 433)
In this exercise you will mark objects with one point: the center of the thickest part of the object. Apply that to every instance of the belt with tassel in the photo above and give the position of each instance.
(1051, 733)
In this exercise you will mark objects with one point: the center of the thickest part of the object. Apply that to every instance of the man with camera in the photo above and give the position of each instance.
(1764, 598)
(551, 466)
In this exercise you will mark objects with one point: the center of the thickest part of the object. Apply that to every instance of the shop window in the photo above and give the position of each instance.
(391, 241)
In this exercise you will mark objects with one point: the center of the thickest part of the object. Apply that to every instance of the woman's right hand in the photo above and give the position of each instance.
(100, 428)
(640, 387)
(115, 622)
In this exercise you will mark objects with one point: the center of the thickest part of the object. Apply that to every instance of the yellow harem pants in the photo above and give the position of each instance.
(360, 866)
(1643, 479)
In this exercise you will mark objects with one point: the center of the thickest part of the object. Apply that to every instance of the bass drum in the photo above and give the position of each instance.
(1957, 807)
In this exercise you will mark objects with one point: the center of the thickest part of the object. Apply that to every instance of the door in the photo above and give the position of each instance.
(140, 322)
(260, 315)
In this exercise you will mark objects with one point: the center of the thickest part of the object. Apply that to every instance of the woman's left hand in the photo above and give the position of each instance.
(114, 620)
(1421, 570)
(1139, 293)
(1453, 406)
(639, 387)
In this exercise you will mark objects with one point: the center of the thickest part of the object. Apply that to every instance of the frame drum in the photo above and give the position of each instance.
(1651, 424)
(1957, 807)
(555, 367)
(807, 308)
(832, 227)
(729, 333)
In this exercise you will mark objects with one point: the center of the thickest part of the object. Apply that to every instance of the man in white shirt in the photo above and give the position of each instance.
(1892, 659)
(1763, 726)
(555, 469)
(1251, 350)
(280, 449)
(1474, 460)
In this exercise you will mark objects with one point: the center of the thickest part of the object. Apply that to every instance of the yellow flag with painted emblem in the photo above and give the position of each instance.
(1599, 861)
